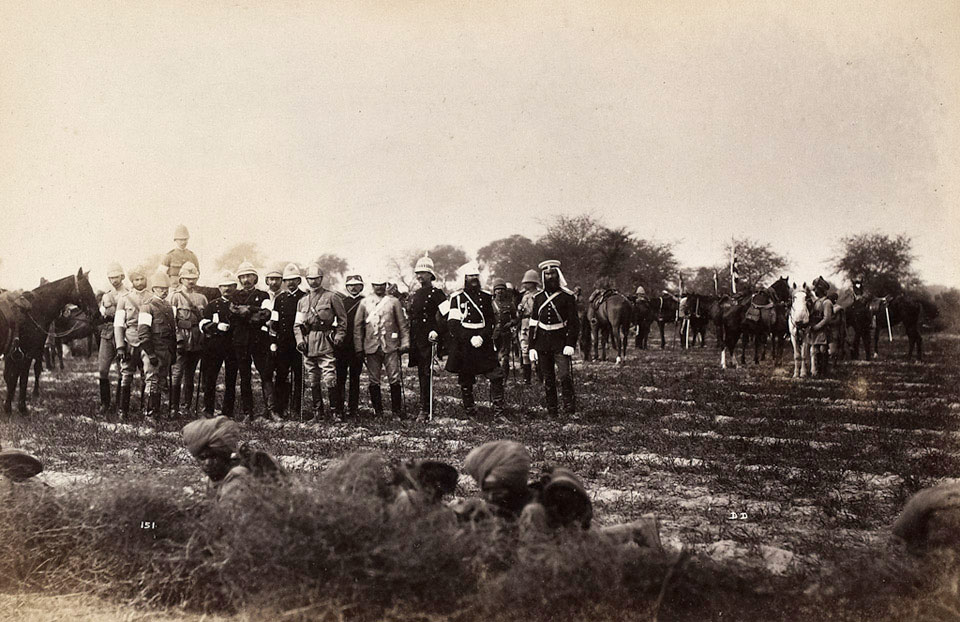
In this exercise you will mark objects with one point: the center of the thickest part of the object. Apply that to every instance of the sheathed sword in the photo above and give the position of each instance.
(433, 357)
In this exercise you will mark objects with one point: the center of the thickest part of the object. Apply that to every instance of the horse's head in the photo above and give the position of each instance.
(781, 287)
(86, 299)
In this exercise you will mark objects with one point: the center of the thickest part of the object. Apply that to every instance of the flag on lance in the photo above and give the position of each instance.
(734, 269)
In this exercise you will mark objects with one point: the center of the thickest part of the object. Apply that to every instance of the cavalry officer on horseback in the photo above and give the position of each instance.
(821, 329)
(218, 348)
(188, 307)
(127, 336)
(158, 341)
(531, 286)
(470, 322)
(554, 327)
(248, 316)
(319, 327)
(173, 261)
(349, 360)
(108, 346)
(288, 359)
(425, 330)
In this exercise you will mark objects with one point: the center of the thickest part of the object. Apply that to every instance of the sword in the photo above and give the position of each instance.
(196, 399)
(889, 329)
(433, 356)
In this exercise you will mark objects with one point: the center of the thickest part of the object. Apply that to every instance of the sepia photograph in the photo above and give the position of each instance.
(624, 310)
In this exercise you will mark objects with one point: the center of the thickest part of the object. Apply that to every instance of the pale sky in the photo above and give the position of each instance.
(366, 128)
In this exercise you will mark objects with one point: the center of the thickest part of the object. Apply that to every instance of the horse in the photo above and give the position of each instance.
(611, 316)
(643, 317)
(665, 309)
(695, 316)
(732, 310)
(798, 319)
(37, 310)
(892, 310)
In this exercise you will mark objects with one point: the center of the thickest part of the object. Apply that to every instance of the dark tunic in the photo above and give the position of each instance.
(350, 306)
(554, 322)
(425, 317)
(246, 326)
(467, 319)
(285, 304)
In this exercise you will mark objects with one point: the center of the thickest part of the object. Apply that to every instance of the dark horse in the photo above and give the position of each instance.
(36, 311)
(893, 310)
(752, 313)
(665, 309)
(695, 316)
(612, 317)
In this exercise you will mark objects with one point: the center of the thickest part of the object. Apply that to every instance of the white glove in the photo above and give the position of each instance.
(532, 354)
(273, 347)
(223, 327)
(432, 336)
(476, 341)
(568, 350)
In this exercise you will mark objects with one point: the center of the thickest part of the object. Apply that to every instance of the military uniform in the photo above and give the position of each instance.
(321, 322)
(349, 360)
(218, 351)
(156, 329)
(554, 327)
(508, 320)
(524, 311)
(470, 321)
(174, 259)
(381, 332)
(188, 309)
(108, 345)
(425, 317)
(287, 357)
(127, 338)
(247, 316)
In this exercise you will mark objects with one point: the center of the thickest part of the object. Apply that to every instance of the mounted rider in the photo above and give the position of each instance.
(554, 328)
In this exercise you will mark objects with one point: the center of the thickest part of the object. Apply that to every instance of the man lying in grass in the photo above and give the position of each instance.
(215, 443)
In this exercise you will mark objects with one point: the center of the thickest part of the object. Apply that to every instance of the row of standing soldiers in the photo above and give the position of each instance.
(323, 339)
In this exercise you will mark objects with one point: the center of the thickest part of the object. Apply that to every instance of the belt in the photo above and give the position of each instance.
(472, 325)
(551, 326)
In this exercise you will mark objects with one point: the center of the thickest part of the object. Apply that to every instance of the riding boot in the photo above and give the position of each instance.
(316, 392)
(175, 400)
(104, 396)
(157, 403)
(496, 396)
(527, 373)
(396, 400)
(466, 395)
(550, 391)
(336, 409)
(569, 398)
(148, 407)
(124, 401)
(376, 399)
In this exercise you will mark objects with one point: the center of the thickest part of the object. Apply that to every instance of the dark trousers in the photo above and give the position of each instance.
(423, 375)
(287, 360)
(215, 356)
(260, 356)
(348, 364)
(555, 367)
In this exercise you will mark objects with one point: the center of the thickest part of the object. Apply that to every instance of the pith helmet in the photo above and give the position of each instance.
(378, 279)
(276, 270)
(530, 276)
(114, 270)
(246, 268)
(181, 233)
(354, 279)
(189, 271)
(159, 279)
(471, 268)
(291, 272)
(499, 283)
(226, 278)
(425, 264)
(314, 271)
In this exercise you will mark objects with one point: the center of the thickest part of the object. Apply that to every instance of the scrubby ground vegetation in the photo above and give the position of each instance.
(775, 499)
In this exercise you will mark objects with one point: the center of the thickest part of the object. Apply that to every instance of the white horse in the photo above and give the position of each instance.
(797, 323)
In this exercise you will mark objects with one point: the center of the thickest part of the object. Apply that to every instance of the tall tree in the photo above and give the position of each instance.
(575, 241)
(446, 259)
(333, 266)
(508, 258)
(651, 264)
(237, 254)
(757, 262)
(884, 263)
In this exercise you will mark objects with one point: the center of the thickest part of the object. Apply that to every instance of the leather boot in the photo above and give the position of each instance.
(496, 396)
(175, 400)
(316, 391)
(148, 404)
(527, 373)
(396, 400)
(336, 410)
(104, 396)
(376, 399)
(466, 395)
(569, 398)
(124, 401)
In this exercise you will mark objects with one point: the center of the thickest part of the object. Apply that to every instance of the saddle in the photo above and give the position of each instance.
(14, 305)
(599, 296)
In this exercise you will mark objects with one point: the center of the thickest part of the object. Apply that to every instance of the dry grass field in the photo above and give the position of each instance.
(775, 498)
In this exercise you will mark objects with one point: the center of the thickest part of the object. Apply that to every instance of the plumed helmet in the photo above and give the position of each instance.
(499, 283)
(189, 271)
(276, 270)
(159, 279)
(291, 271)
(181, 233)
(425, 264)
(530, 276)
(246, 268)
(314, 271)
(114, 270)
(226, 278)
(354, 279)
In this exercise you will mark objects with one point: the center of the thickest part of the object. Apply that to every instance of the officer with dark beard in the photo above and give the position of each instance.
(470, 322)
(554, 326)
(288, 358)
(425, 329)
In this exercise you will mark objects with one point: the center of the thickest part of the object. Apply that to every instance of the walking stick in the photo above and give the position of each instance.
(433, 357)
